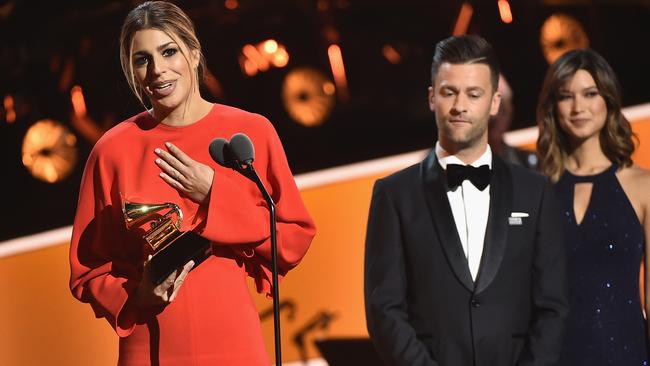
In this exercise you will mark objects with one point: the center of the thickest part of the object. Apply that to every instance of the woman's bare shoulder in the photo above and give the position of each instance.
(637, 180)
(635, 174)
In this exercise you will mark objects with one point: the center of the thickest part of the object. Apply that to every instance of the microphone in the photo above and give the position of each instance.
(242, 148)
(220, 152)
(238, 154)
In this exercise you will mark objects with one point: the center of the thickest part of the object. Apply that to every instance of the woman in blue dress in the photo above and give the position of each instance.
(585, 146)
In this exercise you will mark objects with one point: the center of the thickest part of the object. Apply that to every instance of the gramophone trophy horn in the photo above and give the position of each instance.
(164, 228)
(171, 247)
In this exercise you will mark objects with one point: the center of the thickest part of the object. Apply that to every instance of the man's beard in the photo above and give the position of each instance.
(468, 139)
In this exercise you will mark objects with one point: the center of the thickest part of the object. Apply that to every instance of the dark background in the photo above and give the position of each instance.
(387, 112)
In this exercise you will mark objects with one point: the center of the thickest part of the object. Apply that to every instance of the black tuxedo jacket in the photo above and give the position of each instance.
(422, 307)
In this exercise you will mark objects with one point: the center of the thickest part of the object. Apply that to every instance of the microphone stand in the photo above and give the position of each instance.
(248, 171)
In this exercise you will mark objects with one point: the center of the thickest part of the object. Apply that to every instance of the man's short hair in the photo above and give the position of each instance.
(466, 50)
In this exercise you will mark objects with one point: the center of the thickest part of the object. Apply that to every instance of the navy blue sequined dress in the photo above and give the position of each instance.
(606, 324)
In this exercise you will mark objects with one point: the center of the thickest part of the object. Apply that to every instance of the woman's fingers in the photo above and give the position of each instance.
(183, 173)
(174, 182)
(174, 172)
(181, 279)
(179, 154)
(168, 289)
(171, 163)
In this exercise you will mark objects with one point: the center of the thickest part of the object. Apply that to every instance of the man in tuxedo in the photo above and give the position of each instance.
(465, 262)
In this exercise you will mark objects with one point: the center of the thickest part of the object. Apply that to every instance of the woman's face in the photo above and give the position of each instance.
(161, 70)
(581, 110)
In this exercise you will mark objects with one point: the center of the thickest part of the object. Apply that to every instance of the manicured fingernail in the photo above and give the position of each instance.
(168, 144)
(158, 161)
(157, 151)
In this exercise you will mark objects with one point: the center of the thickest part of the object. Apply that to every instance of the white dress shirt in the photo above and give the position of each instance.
(470, 208)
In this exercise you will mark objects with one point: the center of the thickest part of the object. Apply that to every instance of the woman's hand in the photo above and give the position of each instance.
(187, 175)
(147, 294)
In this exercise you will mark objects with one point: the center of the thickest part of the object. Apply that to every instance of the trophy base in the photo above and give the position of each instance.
(188, 246)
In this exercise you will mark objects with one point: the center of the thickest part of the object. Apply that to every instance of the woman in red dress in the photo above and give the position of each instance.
(197, 316)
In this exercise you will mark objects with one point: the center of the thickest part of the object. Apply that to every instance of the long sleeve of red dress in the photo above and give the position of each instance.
(213, 318)
(236, 202)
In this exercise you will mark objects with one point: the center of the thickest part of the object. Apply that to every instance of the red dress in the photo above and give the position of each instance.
(213, 320)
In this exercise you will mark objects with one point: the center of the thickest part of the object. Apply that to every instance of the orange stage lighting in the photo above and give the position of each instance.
(55, 63)
(231, 4)
(561, 33)
(49, 151)
(80, 119)
(67, 75)
(8, 103)
(280, 58)
(391, 54)
(78, 102)
(322, 5)
(504, 11)
(329, 88)
(256, 57)
(331, 34)
(274, 52)
(308, 96)
(464, 17)
(270, 46)
(338, 70)
(262, 56)
(212, 84)
(248, 67)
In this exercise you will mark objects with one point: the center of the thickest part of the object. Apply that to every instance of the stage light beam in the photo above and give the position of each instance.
(78, 101)
(67, 75)
(504, 11)
(391, 54)
(338, 71)
(10, 112)
(254, 55)
(464, 18)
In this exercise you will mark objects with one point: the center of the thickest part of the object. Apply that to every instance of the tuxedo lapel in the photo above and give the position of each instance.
(433, 179)
(496, 233)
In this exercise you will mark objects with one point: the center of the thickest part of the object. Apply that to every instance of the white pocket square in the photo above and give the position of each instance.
(516, 218)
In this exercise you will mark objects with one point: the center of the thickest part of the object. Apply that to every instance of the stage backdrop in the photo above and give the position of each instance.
(41, 324)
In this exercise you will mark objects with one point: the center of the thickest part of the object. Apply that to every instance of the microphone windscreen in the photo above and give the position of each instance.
(219, 152)
(242, 148)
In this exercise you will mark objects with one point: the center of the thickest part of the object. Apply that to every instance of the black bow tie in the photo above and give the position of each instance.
(456, 174)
